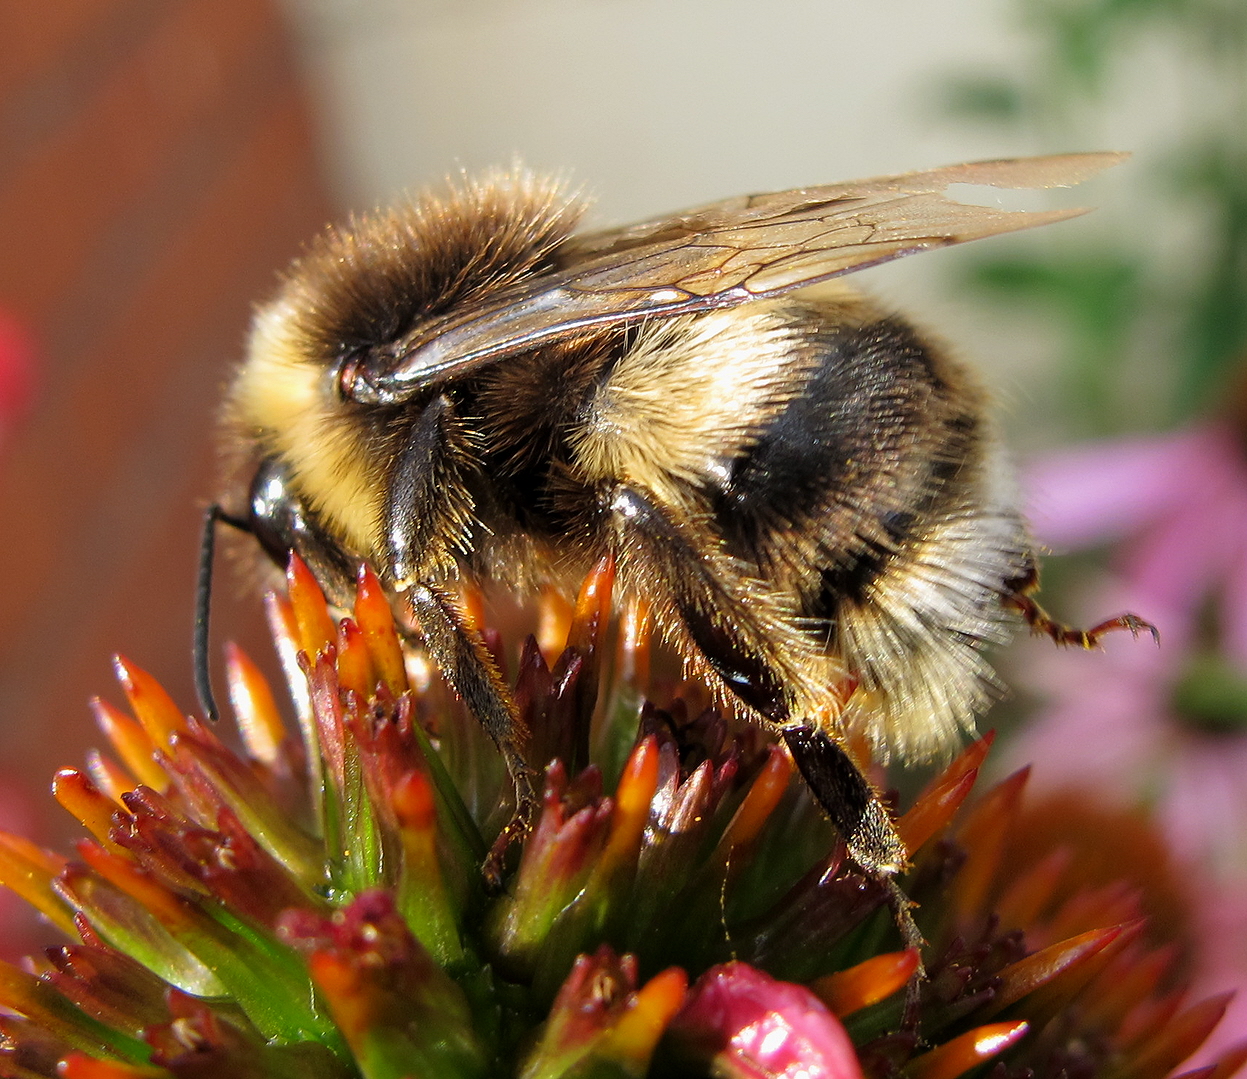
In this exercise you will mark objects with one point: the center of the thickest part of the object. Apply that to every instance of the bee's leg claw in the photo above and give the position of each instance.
(516, 829)
(1132, 623)
(1022, 600)
(495, 861)
(903, 916)
(903, 913)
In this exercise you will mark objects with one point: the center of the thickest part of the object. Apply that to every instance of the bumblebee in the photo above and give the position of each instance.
(801, 485)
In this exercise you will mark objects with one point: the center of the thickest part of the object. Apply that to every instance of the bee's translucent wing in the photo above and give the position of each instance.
(720, 255)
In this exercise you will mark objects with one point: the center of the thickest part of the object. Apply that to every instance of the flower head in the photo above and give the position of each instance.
(314, 905)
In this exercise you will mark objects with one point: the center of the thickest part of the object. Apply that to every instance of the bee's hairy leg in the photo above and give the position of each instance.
(421, 513)
(1021, 598)
(855, 809)
(426, 506)
(725, 627)
(849, 799)
(464, 661)
(670, 556)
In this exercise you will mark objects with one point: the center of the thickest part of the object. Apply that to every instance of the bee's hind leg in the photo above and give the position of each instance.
(849, 799)
(859, 816)
(667, 554)
(1021, 598)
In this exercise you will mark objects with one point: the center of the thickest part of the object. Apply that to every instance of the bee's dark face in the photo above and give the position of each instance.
(281, 523)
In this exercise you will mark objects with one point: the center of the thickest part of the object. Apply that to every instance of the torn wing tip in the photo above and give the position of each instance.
(1053, 170)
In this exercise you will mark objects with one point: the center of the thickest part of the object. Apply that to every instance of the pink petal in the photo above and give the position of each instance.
(1108, 489)
(1234, 611)
(1201, 537)
(1107, 717)
(1176, 562)
(1204, 807)
(1233, 605)
(1221, 924)
(754, 1027)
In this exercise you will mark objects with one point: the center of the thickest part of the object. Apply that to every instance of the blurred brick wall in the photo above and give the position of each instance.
(157, 166)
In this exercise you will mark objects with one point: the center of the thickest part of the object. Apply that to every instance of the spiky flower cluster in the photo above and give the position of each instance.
(313, 906)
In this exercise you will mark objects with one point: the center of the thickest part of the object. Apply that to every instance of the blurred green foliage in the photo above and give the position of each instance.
(1162, 287)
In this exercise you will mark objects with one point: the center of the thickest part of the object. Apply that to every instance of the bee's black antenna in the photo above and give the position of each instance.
(203, 604)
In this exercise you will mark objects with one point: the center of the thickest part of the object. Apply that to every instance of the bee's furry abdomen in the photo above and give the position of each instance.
(869, 494)
(858, 452)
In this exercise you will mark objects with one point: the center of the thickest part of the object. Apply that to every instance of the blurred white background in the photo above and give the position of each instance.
(652, 103)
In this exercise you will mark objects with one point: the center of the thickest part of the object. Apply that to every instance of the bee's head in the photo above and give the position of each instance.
(357, 292)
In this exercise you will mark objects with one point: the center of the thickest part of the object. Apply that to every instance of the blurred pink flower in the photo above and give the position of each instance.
(1137, 720)
(1181, 503)
(1164, 727)
(755, 1027)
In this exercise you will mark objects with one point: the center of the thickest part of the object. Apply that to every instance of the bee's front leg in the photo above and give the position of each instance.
(465, 662)
(425, 511)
